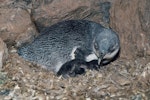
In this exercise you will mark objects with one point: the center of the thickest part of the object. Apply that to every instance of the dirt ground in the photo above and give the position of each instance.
(123, 79)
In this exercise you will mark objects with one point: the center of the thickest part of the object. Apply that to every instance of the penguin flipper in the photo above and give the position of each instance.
(81, 53)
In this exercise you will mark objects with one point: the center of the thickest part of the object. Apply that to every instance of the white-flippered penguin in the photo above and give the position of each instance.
(72, 42)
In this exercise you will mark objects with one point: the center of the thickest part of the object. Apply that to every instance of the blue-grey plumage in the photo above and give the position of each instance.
(106, 46)
(72, 39)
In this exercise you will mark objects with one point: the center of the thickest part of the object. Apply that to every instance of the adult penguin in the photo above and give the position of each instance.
(72, 40)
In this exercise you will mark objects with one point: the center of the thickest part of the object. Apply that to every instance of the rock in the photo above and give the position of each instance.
(47, 13)
(27, 36)
(131, 19)
(15, 18)
(3, 53)
(16, 25)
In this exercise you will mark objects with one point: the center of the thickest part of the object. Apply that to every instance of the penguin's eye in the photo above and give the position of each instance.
(111, 49)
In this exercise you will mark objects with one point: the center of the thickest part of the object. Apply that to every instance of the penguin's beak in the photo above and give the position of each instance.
(100, 58)
(99, 61)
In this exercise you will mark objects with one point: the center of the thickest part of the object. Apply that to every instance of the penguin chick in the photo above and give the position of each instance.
(72, 68)
(76, 67)
(69, 40)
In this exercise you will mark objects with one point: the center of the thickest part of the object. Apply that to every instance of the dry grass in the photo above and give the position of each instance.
(122, 79)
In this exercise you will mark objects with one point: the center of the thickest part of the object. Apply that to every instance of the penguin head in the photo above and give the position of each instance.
(106, 46)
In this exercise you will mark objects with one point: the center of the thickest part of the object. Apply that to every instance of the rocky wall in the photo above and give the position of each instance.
(131, 19)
